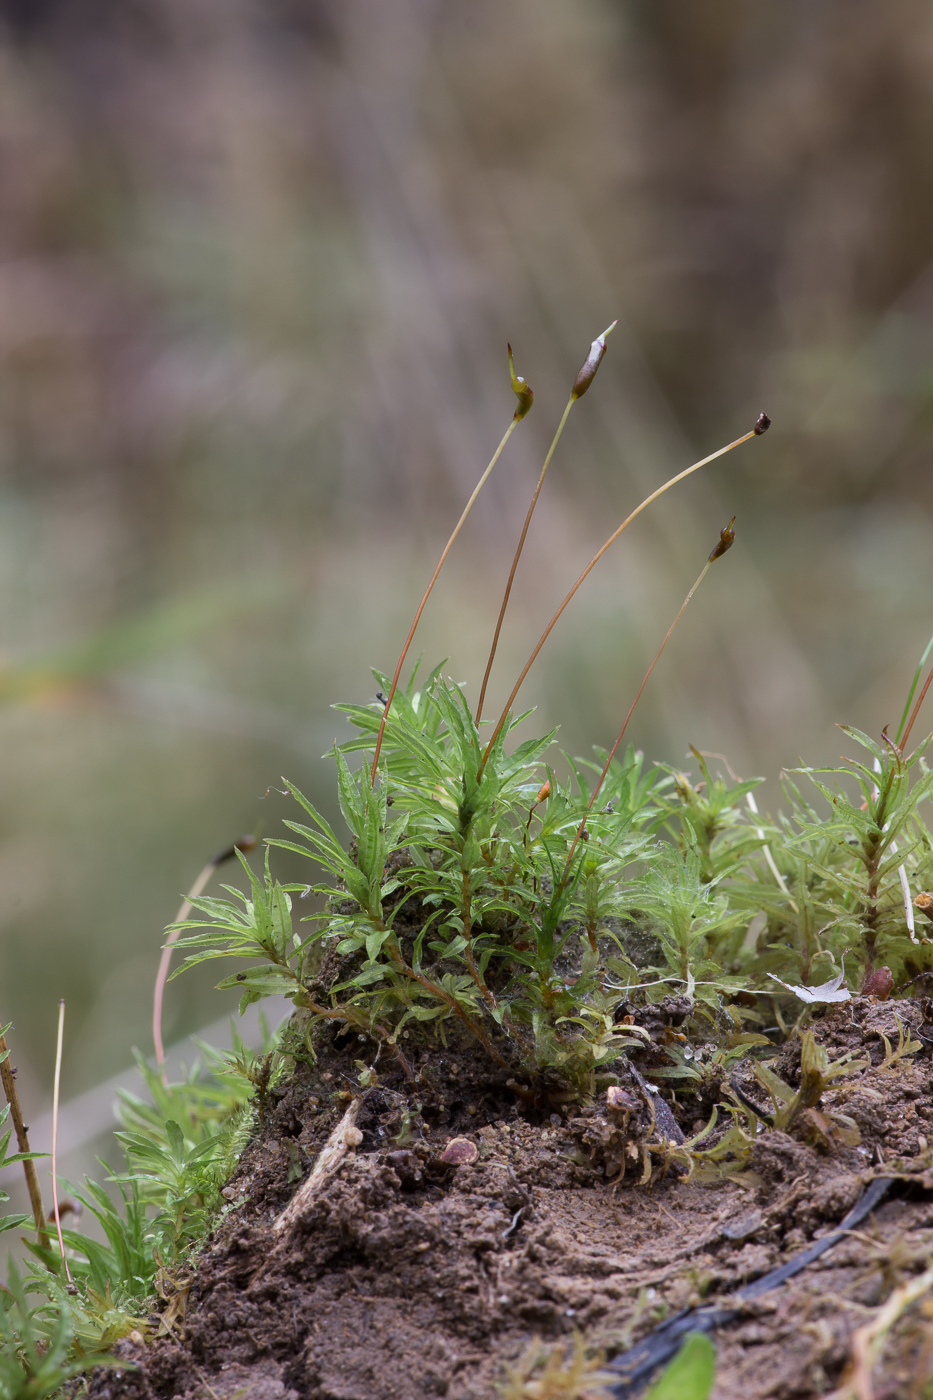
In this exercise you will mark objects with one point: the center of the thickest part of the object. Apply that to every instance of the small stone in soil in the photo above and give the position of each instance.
(459, 1152)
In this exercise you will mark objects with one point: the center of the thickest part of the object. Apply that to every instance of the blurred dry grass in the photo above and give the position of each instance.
(258, 263)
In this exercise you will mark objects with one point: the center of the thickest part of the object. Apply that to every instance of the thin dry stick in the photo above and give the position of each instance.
(245, 844)
(344, 1137)
(58, 1076)
(525, 396)
(762, 426)
(868, 1341)
(726, 539)
(580, 385)
(8, 1078)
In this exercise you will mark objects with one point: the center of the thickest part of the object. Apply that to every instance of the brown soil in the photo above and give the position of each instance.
(405, 1276)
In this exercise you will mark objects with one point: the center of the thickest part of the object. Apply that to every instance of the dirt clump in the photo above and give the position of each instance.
(406, 1275)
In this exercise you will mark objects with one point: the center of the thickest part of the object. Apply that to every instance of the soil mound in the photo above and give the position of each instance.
(445, 1223)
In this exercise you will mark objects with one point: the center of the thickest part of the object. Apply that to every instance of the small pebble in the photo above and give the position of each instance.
(879, 984)
(459, 1152)
(743, 1227)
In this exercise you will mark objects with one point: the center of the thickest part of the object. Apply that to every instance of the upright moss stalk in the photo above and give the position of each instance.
(762, 425)
(246, 843)
(725, 542)
(56, 1210)
(584, 379)
(525, 395)
(902, 738)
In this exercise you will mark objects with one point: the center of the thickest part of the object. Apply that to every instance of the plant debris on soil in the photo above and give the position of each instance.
(456, 1220)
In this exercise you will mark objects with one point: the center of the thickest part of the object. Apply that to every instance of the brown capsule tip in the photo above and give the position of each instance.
(879, 984)
(521, 389)
(245, 843)
(726, 541)
(544, 791)
(584, 835)
(459, 1152)
(924, 902)
(591, 364)
(762, 424)
(66, 1207)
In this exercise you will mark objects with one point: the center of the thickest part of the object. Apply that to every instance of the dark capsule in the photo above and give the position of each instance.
(726, 541)
(762, 424)
(245, 843)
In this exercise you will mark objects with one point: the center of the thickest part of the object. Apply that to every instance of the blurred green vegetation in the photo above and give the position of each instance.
(258, 265)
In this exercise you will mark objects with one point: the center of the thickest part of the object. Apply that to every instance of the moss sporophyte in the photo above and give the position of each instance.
(488, 895)
(481, 890)
(478, 890)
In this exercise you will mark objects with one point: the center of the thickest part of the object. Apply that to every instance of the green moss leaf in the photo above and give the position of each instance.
(690, 1375)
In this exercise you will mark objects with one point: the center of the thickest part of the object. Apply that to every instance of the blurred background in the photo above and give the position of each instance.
(259, 260)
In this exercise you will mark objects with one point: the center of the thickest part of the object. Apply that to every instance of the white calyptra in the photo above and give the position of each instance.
(833, 990)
